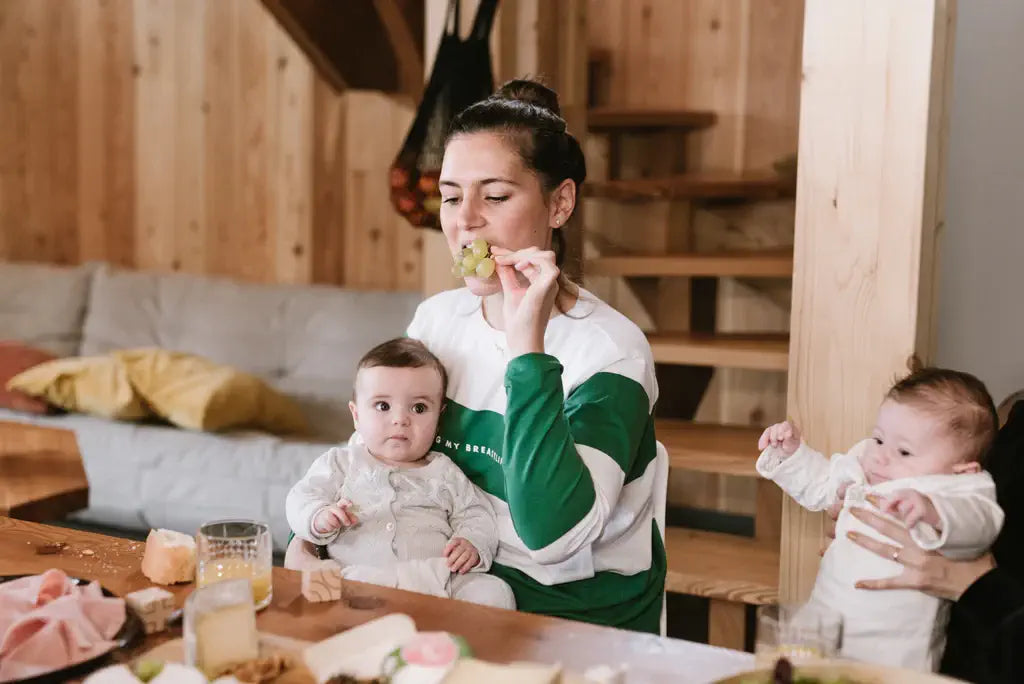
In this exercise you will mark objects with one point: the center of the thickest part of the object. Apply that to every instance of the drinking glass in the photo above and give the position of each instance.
(799, 632)
(236, 549)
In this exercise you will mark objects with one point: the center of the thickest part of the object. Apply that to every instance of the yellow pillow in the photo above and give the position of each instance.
(195, 393)
(87, 384)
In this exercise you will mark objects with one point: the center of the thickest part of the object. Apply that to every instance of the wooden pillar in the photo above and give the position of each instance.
(531, 38)
(873, 125)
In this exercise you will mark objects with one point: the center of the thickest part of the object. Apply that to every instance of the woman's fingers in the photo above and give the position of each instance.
(898, 582)
(765, 440)
(876, 547)
(892, 530)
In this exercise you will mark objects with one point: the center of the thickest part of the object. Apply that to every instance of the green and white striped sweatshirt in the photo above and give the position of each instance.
(563, 445)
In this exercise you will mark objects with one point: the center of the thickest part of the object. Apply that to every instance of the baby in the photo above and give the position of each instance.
(391, 511)
(923, 461)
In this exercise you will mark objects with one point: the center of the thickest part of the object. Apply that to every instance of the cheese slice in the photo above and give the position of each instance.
(226, 636)
(170, 557)
(359, 652)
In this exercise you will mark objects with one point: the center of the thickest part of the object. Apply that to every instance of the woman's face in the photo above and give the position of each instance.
(487, 192)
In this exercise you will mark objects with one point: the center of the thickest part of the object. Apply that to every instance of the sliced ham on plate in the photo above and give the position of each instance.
(47, 622)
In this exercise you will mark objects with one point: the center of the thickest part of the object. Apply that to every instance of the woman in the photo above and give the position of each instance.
(551, 390)
(985, 638)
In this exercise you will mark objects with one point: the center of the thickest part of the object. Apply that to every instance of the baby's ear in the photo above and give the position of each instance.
(971, 467)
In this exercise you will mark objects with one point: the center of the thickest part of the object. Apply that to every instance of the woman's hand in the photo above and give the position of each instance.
(927, 571)
(529, 281)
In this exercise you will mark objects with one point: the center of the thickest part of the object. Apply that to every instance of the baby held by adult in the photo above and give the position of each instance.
(923, 463)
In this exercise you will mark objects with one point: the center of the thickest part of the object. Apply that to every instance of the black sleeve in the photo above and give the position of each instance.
(986, 627)
(993, 610)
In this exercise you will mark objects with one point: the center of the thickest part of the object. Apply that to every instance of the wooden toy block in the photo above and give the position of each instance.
(153, 605)
(322, 584)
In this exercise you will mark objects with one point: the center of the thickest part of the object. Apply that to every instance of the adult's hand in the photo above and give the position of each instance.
(927, 571)
(529, 283)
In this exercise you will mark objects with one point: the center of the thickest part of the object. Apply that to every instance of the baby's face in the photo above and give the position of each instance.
(908, 442)
(396, 411)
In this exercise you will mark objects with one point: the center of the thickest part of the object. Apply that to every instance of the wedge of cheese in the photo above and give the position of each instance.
(170, 557)
(359, 652)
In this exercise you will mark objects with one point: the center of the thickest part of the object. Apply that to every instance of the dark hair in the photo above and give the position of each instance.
(404, 352)
(527, 112)
(958, 398)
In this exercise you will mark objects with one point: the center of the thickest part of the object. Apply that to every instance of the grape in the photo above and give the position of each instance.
(148, 669)
(485, 269)
(473, 261)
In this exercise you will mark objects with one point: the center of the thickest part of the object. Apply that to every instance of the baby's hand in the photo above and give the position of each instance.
(912, 507)
(784, 436)
(333, 517)
(462, 556)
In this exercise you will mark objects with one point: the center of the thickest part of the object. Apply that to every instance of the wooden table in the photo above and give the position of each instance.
(495, 635)
(41, 472)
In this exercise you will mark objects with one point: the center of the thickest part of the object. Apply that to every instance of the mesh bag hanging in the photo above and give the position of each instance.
(460, 77)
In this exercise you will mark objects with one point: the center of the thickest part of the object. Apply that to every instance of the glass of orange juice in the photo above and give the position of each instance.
(236, 549)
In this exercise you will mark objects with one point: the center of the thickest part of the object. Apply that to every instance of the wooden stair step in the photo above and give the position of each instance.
(698, 185)
(622, 119)
(721, 566)
(753, 351)
(775, 263)
(709, 448)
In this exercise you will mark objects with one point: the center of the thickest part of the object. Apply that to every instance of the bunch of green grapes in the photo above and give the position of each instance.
(474, 260)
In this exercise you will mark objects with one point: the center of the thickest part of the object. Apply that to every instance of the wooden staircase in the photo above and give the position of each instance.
(733, 572)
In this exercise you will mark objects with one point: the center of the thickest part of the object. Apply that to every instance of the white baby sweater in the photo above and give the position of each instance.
(404, 513)
(897, 627)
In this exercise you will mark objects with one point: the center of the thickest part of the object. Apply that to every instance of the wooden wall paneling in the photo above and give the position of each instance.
(60, 91)
(252, 229)
(371, 225)
(716, 50)
(221, 105)
(106, 71)
(13, 138)
(772, 111)
(291, 133)
(329, 143)
(188, 180)
(155, 124)
(873, 118)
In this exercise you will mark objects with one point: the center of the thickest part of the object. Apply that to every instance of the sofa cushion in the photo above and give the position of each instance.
(97, 385)
(44, 305)
(305, 340)
(197, 394)
(16, 357)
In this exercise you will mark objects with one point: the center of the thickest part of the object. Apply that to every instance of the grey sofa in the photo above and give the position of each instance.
(305, 340)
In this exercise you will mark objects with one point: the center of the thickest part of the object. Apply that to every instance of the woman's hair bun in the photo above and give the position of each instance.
(530, 92)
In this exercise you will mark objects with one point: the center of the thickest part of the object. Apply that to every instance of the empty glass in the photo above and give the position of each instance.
(799, 632)
(236, 549)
